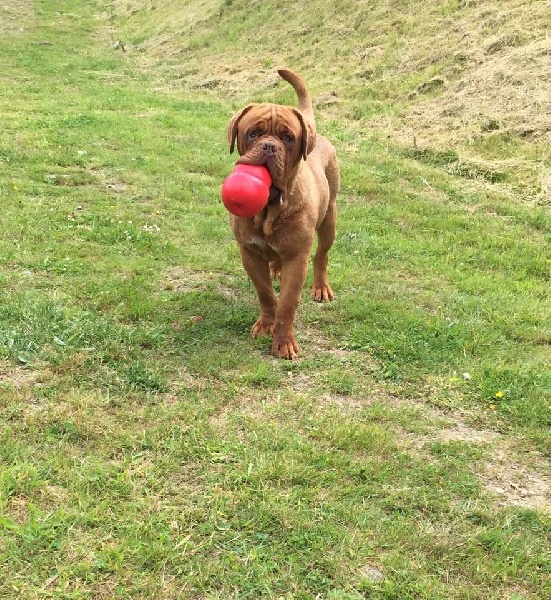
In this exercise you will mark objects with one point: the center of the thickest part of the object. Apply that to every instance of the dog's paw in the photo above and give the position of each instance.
(286, 348)
(262, 327)
(322, 293)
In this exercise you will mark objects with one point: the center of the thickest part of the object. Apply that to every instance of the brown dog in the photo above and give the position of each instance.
(305, 182)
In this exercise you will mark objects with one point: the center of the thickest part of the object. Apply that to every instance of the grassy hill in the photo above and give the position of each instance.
(148, 447)
(468, 78)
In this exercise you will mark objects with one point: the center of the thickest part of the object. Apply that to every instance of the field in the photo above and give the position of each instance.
(149, 447)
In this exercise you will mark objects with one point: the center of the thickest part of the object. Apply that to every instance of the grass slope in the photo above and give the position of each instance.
(150, 448)
(467, 75)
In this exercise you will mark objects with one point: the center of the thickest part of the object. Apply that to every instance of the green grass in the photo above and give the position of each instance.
(149, 448)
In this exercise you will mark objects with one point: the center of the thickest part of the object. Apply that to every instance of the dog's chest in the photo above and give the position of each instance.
(258, 245)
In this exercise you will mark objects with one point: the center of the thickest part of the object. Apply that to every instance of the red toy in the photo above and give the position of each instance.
(246, 189)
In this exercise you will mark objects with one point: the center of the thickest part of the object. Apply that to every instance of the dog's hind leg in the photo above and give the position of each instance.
(321, 290)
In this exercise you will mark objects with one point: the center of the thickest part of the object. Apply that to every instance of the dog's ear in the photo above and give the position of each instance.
(308, 134)
(234, 123)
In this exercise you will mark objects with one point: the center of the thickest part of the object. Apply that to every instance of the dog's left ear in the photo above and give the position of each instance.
(308, 134)
(234, 123)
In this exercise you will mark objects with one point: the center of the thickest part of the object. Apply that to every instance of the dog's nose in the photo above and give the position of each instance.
(269, 148)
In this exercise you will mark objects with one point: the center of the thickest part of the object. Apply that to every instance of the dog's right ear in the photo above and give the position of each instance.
(234, 123)
(308, 134)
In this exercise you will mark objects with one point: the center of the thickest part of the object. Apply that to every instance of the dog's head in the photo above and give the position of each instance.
(272, 135)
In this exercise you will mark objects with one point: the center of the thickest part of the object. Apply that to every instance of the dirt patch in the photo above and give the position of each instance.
(460, 432)
(527, 485)
(17, 377)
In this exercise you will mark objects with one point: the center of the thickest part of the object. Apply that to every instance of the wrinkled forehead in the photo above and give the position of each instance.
(272, 118)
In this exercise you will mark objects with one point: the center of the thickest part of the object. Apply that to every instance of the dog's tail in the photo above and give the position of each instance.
(304, 99)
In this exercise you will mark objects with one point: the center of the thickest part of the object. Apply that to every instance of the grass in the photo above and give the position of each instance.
(149, 447)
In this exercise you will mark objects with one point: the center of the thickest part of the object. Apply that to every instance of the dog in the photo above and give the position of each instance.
(276, 243)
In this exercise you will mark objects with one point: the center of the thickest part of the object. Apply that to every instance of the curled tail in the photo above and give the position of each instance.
(304, 99)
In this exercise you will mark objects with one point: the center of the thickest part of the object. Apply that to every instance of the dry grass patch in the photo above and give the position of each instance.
(16, 17)
(505, 83)
(183, 280)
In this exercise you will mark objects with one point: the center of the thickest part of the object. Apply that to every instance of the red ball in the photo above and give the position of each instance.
(246, 190)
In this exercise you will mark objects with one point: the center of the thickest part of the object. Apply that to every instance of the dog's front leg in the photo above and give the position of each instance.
(259, 272)
(293, 274)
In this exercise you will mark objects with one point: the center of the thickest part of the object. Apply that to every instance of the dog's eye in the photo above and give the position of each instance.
(289, 138)
(253, 134)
